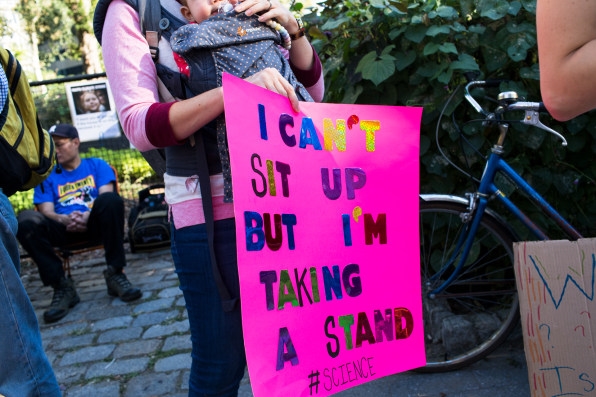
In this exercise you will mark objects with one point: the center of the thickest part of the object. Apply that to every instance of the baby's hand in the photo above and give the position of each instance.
(272, 80)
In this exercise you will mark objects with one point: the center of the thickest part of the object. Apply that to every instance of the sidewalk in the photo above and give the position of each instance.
(105, 347)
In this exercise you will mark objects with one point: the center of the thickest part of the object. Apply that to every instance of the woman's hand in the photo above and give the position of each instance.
(269, 9)
(272, 80)
(301, 53)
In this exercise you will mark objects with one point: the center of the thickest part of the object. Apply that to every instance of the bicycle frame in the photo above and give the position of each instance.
(478, 203)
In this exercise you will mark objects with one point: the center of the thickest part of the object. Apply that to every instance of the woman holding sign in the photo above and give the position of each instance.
(153, 119)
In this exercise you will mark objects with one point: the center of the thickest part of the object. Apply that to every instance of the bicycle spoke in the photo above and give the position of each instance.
(481, 300)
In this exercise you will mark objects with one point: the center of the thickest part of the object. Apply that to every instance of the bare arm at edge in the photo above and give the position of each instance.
(566, 32)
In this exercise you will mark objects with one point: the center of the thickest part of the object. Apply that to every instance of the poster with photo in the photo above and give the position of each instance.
(92, 110)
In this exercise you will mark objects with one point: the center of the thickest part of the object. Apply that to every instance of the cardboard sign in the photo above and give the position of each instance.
(555, 281)
(326, 203)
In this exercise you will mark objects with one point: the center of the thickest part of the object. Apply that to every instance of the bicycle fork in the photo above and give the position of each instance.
(477, 205)
(471, 220)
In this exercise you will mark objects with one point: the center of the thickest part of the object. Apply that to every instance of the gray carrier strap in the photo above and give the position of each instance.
(150, 16)
(227, 301)
(155, 20)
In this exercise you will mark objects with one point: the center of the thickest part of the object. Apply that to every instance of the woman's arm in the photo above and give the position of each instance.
(566, 32)
(131, 70)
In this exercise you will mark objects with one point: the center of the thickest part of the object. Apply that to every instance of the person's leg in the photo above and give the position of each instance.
(218, 358)
(106, 222)
(24, 366)
(39, 235)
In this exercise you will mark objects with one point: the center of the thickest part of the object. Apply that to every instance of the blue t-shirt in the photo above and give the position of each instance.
(74, 190)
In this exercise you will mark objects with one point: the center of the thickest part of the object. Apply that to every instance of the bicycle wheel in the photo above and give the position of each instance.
(479, 309)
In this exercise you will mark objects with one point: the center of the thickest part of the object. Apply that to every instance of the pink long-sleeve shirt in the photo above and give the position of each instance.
(144, 116)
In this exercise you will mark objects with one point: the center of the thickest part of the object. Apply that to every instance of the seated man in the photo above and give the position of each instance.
(77, 202)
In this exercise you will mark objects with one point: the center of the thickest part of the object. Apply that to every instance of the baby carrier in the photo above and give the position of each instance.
(238, 44)
(233, 43)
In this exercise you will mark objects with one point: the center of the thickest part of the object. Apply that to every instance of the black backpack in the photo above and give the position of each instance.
(148, 226)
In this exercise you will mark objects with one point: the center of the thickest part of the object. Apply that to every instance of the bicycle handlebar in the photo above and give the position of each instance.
(532, 109)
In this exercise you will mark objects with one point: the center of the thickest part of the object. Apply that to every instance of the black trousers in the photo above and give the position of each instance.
(39, 235)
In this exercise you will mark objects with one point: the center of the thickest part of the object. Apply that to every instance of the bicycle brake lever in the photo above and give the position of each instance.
(532, 117)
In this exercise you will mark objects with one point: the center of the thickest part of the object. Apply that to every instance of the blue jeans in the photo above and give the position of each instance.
(24, 367)
(218, 358)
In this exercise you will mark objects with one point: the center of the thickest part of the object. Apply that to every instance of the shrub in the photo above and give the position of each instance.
(416, 53)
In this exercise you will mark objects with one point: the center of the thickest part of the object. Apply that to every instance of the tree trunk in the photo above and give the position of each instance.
(90, 53)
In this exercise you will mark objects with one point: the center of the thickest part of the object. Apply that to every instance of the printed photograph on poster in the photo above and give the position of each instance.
(92, 110)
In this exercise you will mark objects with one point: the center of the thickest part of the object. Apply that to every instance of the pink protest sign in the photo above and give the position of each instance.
(326, 204)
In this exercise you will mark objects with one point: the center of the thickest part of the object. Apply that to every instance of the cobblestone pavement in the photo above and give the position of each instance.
(105, 347)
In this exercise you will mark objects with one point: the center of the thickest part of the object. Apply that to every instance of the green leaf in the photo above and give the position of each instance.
(494, 58)
(445, 77)
(405, 60)
(400, 5)
(464, 62)
(331, 24)
(494, 9)
(519, 49)
(368, 58)
(429, 70)
(387, 50)
(435, 30)
(376, 68)
(565, 182)
(514, 7)
(378, 3)
(416, 33)
(458, 27)
(534, 138)
(529, 5)
(530, 73)
(430, 49)
(523, 27)
(448, 48)
(392, 12)
(352, 93)
(576, 143)
(435, 164)
(447, 12)
(477, 29)
(578, 124)
(396, 32)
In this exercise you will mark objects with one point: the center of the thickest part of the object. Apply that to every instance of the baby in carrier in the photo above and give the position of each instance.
(218, 40)
(231, 42)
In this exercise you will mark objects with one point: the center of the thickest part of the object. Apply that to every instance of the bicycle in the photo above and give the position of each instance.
(470, 300)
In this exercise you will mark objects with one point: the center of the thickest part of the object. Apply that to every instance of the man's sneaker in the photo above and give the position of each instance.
(118, 285)
(65, 297)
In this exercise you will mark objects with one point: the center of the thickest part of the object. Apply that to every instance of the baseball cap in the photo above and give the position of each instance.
(64, 130)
